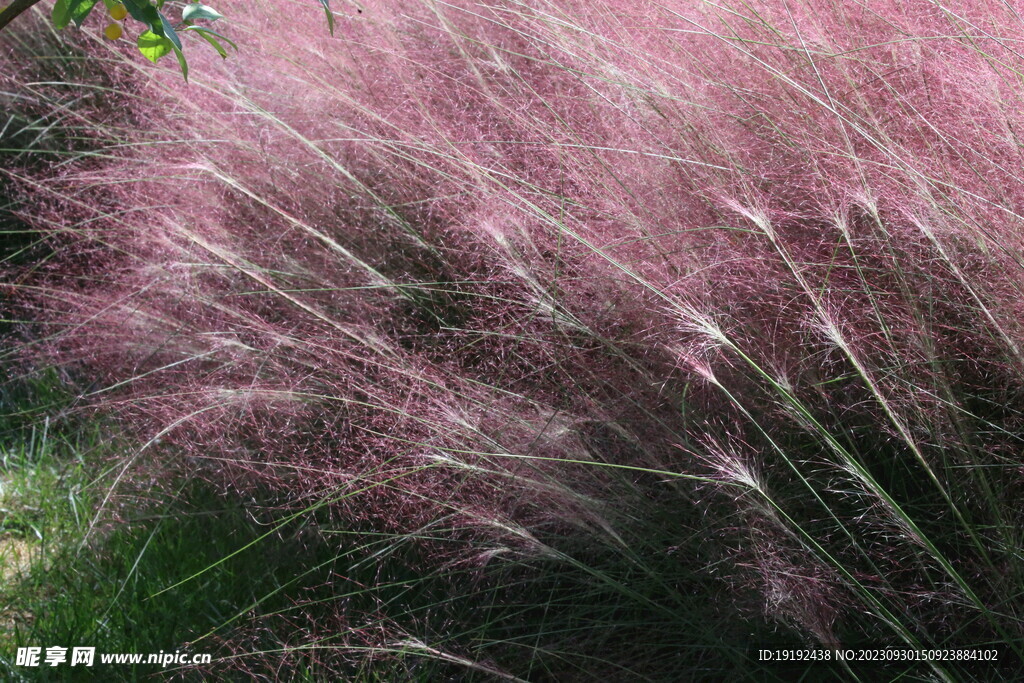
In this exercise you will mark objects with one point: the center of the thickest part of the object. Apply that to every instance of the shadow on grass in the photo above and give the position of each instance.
(116, 594)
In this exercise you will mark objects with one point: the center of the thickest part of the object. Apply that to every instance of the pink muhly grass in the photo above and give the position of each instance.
(545, 270)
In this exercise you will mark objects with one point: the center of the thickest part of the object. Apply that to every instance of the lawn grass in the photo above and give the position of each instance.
(120, 582)
(71, 582)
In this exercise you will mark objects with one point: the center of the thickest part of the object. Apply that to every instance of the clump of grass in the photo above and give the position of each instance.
(40, 499)
(616, 309)
(117, 592)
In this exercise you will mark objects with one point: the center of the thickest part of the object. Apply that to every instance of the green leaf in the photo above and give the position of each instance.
(330, 14)
(64, 11)
(169, 31)
(153, 47)
(80, 10)
(144, 11)
(61, 14)
(216, 45)
(211, 37)
(199, 11)
(203, 31)
(181, 62)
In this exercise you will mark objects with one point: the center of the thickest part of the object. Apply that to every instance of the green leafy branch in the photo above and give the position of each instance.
(160, 37)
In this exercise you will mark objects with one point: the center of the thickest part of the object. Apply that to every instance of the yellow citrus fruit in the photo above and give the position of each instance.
(118, 12)
(113, 31)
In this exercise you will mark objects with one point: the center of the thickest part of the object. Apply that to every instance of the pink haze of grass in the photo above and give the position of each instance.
(773, 246)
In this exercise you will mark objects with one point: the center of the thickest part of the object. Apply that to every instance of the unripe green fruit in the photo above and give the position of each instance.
(113, 31)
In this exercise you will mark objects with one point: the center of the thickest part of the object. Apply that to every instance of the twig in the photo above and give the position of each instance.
(11, 12)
